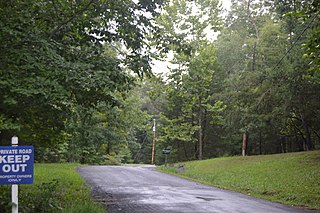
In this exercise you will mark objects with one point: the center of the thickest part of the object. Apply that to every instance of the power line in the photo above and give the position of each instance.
(295, 42)
(143, 143)
(287, 52)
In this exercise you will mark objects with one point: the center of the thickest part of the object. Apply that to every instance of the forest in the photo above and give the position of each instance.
(77, 78)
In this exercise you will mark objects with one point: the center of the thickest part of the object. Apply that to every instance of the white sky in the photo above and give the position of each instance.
(226, 4)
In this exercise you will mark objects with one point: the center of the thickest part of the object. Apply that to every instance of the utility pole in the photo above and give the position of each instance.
(153, 141)
(244, 143)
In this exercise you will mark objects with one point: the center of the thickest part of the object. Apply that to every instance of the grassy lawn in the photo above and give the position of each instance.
(56, 188)
(292, 178)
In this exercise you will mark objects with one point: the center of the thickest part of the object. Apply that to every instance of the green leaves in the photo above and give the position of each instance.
(60, 55)
(177, 129)
(183, 26)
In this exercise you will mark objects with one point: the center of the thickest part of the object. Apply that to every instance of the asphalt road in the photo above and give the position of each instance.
(143, 190)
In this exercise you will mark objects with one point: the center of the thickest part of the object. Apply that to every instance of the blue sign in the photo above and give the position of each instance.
(16, 164)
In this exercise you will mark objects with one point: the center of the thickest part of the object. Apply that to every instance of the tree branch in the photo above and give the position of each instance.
(70, 19)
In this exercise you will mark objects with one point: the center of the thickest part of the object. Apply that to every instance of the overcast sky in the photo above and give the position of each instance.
(226, 4)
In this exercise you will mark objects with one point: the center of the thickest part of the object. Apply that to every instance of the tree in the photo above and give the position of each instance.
(53, 60)
(264, 82)
(189, 102)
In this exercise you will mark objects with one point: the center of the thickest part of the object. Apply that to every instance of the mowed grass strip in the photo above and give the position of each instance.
(291, 178)
(57, 188)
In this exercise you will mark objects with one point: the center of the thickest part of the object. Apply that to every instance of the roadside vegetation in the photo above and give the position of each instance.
(78, 81)
(291, 178)
(89, 96)
(56, 188)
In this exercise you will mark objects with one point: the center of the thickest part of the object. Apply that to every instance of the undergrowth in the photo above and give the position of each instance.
(56, 188)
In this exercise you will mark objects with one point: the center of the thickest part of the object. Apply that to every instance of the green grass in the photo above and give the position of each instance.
(56, 188)
(292, 178)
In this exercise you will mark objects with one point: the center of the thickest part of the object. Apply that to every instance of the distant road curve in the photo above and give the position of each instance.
(125, 189)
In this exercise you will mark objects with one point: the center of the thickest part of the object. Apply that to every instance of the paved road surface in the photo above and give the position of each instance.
(143, 190)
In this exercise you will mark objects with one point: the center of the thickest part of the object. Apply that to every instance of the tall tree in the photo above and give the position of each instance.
(265, 83)
(184, 26)
(53, 60)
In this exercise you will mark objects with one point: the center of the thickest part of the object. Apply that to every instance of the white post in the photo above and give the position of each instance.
(14, 187)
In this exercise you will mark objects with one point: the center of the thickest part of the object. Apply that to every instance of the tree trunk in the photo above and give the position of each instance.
(309, 144)
(200, 123)
(283, 144)
(260, 143)
(200, 137)
(108, 148)
(254, 57)
(253, 21)
(298, 132)
(204, 135)
(318, 136)
(185, 151)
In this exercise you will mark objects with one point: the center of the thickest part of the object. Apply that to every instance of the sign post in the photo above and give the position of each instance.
(14, 187)
(16, 167)
(166, 152)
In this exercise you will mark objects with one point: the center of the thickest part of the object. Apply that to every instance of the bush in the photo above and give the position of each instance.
(5, 196)
(41, 198)
(57, 188)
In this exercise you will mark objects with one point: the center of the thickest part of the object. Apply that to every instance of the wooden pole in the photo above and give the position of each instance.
(153, 141)
(244, 144)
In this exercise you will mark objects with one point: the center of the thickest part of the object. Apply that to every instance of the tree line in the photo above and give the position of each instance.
(259, 78)
(76, 78)
(66, 67)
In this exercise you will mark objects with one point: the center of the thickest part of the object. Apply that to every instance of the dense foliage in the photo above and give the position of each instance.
(64, 66)
(261, 77)
(70, 78)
